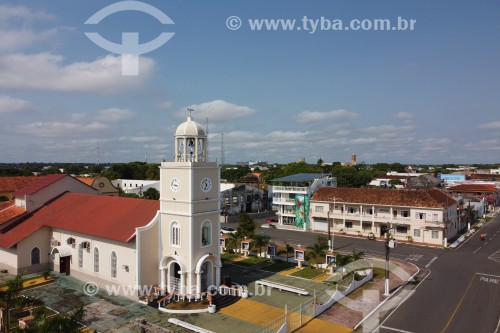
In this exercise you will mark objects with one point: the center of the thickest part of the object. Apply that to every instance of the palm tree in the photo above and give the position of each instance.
(288, 249)
(234, 240)
(356, 255)
(58, 323)
(259, 241)
(318, 250)
(10, 298)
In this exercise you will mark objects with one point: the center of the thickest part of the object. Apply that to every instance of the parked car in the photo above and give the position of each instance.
(227, 230)
(271, 220)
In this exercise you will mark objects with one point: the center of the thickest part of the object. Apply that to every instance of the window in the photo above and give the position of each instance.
(206, 233)
(369, 211)
(405, 213)
(416, 233)
(435, 217)
(367, 226)
(96, 260)
(401, 229)
(318, 209)
(435, 234)
(113, 264)
(348, 225)
(80, 255)
(35, 256)
(420, 216)
(395, 213)
(175, 234)
(351, 210)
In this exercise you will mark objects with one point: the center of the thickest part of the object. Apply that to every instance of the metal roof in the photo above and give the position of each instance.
(301, 177)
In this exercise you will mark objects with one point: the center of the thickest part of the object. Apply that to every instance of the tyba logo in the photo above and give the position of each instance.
(130, 49)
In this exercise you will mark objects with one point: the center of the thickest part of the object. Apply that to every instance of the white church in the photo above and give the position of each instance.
(62, 224)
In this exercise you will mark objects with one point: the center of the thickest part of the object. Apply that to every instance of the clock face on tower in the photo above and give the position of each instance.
(175, 185)
(206, 185)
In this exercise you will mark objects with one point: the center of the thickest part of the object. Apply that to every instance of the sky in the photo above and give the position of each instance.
(324, 84)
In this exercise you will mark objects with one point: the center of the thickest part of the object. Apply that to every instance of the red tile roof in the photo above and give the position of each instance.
(86, 180)
(429, 198)
(474, 188)
(40, 183)
(101, 216)
(8, 211)
(12, 184)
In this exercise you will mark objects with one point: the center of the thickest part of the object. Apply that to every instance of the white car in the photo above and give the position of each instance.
(227, 230)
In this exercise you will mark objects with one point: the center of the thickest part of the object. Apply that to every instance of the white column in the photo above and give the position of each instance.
(169, 282)
(183, 282)
(198, 283)
(162, 279)
(217, 274)
(361, 218)
(343, 217)
(373, 219)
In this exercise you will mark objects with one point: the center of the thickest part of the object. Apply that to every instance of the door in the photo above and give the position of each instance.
(383, 230)
(64, 265)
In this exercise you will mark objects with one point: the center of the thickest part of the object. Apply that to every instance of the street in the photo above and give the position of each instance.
(460, 293)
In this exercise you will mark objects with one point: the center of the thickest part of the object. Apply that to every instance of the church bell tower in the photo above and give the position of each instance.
(189, 215)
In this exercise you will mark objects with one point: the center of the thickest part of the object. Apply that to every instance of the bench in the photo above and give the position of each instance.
(281, 286)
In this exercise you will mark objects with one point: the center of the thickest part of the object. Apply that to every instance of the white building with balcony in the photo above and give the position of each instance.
(291, 196)
(421, 216)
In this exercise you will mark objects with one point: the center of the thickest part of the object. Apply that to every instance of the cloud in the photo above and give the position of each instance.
(314, 116)
(139, 139)
(10, 104)
(8, 12)
(491, 125)
(165, 105)
(218, 110)
(113, 115)
(405, 116)
(56, 129)
(13, 40)
(46, 71)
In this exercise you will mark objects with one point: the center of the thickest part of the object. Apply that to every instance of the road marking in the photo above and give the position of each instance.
(394, 329)
(495, 256)
(414, 257)
(477, 249)
(459, 304)
(498, 276)
(430, 262)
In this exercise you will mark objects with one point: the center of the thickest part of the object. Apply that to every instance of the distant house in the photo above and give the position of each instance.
(242, 198)
(136, 186)
(423, 182)
(101, 184)
(8, 185)
(424, 216)
(488, 191)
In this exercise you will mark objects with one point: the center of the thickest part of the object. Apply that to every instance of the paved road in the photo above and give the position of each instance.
(418, 255)
(461, 293)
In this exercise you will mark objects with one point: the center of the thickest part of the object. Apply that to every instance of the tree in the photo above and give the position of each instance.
(318, 250)
(288, 249)
(356, 255)
(151, 194)
(319, 162)
(233, 241)
(58, 323)
(260, 240)
(10, 298)
(247, 226)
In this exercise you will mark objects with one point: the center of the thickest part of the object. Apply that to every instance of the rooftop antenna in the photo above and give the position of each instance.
(222, 149)
(98, 154)
(206, 142)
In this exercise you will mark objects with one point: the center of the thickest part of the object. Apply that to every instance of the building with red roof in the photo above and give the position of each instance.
(477, 190)
(422, 216)
(8, 185)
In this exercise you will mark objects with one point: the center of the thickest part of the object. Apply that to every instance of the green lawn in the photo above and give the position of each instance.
(250, 261)
(229, 256)
(278, 266)
(308, 273)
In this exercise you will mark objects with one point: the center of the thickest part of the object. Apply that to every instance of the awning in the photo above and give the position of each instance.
(63, 250)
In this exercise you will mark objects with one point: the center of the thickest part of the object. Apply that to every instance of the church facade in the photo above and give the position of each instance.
(63, 225)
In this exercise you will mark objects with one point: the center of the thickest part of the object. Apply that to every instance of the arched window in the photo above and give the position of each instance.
(96, 260)
(175, 234)
(206, 233)
(35, 256)
(80, 255)
(113, 264)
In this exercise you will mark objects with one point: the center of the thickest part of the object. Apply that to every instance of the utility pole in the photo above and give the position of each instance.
(389, 244)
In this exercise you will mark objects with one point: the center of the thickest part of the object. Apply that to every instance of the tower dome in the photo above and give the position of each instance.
(190, 141)
(190, 128)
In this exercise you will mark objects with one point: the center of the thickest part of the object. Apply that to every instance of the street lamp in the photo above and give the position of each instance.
(390, 243)
(330, 235)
